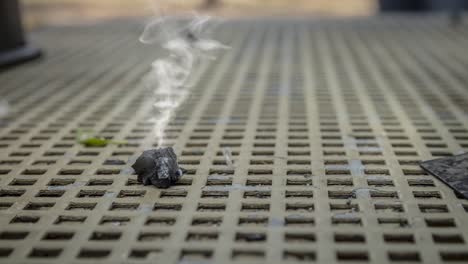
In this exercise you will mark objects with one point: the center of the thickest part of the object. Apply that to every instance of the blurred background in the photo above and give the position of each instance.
(46, 12)
(357, 103)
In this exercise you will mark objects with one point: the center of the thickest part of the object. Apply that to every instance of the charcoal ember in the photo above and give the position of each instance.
(158, 167)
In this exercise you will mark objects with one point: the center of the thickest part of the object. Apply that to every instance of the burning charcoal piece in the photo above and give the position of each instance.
(158, 167)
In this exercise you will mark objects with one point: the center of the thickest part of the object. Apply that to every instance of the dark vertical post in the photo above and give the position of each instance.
(456, 10)
(13, 46)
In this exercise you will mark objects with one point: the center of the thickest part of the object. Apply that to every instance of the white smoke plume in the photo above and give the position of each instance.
(187, 42)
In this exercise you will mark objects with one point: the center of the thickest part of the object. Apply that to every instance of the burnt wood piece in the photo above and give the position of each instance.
(453, 171)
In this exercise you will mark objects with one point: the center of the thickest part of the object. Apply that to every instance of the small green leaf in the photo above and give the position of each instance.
(95, 142)
(88, 139)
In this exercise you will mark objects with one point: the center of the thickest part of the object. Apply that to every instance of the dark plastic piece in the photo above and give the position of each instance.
(453, 171)
(158, 167)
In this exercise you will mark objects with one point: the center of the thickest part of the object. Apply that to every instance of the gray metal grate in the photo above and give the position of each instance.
(326, 122)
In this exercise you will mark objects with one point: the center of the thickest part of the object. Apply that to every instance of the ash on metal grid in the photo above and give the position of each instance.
(453, 171)
(158, 167)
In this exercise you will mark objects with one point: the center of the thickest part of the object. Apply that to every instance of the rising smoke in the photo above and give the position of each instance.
(187, 42)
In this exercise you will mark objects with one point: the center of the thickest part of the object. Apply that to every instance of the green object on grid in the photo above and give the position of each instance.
(89, 139)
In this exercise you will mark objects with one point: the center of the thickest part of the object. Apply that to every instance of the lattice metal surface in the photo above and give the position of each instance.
(326, 122)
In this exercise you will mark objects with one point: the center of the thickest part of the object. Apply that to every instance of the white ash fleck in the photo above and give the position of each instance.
(146, 208)
(227, 153)
(218, 177)
(110, 195)
(66, 187)
(378, 177)
(296, 216)
(276, 222)
(127, 171)
(364, 192)
(236, 187)
(356, 167)
(346, 215)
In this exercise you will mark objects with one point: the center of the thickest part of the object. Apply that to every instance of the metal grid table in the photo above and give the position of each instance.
(326, 121)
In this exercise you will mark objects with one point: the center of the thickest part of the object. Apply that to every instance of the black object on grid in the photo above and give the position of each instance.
(13, 47)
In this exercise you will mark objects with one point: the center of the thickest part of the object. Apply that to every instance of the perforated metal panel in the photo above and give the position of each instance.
(326, 122)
